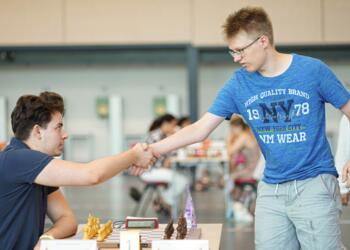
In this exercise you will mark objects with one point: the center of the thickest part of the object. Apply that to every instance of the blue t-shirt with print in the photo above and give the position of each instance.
(23, 203)
(287, 116)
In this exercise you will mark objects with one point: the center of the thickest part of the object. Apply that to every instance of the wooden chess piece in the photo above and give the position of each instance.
(181, 228)
(169, 230)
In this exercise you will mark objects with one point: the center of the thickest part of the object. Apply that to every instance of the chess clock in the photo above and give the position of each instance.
(139, 222)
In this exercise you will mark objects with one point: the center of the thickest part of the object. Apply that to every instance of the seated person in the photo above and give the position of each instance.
(30, 176)
(184, 121)
(162, 127)
(244, 153)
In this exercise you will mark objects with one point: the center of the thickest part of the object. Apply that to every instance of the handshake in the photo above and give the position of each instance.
(143, 158)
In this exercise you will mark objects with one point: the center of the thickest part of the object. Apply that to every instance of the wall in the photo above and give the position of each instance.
(67, 22)
(80, 85)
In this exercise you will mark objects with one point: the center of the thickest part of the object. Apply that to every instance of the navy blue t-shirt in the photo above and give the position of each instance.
(23, 203)
(287, 116)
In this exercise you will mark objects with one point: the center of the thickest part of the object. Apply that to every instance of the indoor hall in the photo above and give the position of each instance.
(120, 66)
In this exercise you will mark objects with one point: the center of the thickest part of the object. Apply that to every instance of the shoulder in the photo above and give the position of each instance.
(308, 63)
(25, 155)
(238, 77)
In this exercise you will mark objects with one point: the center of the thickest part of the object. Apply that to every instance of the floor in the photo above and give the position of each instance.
(111, 201)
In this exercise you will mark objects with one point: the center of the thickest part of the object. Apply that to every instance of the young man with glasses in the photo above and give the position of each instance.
(282, 97)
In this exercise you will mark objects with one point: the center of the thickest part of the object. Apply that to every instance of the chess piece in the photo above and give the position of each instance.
(189, 210)
(140, 243)
(104, 231)
(91, 228)
(169, 230)
(181, 228)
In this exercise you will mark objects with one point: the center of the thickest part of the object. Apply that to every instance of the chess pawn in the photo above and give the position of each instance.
(169, 230)
(181, 227)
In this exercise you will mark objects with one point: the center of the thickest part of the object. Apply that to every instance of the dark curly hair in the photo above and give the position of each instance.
(251, 20)
(31, 110)
(158, 122)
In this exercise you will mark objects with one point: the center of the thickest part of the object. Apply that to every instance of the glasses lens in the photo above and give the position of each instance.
(234, 53)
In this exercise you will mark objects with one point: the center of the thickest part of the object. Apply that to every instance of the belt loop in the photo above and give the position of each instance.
(296, 188)
(276, 190)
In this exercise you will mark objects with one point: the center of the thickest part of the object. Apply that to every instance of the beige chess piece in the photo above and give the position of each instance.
(91, 228)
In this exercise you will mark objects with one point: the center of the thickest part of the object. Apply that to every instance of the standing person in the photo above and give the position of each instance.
(342, 155)
(30, 175)
(282, 97)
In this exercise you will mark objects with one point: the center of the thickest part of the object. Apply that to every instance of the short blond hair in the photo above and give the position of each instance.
(250, 20)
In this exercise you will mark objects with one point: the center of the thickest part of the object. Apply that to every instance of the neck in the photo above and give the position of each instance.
(275, 64)
(31, 145)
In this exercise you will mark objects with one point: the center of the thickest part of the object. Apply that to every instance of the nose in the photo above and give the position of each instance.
(237, 58)
(64, 135)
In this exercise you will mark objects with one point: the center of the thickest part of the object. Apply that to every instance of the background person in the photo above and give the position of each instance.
(161, 128)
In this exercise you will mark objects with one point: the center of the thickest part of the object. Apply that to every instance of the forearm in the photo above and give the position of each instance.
(63, 227)
(186, 136)
(107, 167)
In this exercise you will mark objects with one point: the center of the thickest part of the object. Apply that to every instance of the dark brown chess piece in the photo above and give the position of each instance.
(140, 243)
(169, 230)
(181, 228)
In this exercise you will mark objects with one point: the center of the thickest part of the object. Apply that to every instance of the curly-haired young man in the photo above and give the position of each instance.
(30, 175)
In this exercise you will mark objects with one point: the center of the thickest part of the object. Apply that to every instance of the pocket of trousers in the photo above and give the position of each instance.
(330, 185)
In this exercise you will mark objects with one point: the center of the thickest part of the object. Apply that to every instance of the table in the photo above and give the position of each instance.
(210, 232)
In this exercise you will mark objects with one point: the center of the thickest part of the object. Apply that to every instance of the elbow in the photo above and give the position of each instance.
(94, 180)
(199, 132)
(74, 228)
(201, 135)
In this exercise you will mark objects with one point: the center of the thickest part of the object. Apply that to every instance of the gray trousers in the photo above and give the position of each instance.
(299, 215)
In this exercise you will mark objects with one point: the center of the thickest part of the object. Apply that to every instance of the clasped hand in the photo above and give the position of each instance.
(145, 157)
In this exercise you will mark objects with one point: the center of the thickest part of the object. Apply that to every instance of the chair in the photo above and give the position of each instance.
(249, 192)
(151, 189)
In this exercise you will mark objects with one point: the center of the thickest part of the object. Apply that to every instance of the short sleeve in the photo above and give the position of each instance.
(25, 165)
(224, 104)
(50, 190)
(331, 89)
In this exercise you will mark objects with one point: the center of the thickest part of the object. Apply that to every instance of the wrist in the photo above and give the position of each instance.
(154, 150)
(46, 237)
(134, 154)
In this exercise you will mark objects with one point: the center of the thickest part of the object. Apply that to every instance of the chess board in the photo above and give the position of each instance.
(147, 236)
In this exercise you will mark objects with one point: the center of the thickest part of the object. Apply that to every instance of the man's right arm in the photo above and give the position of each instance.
(193, 133)
(66, 173)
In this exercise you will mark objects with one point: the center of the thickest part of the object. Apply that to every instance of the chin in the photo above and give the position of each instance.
(252, 68)
(56, 154)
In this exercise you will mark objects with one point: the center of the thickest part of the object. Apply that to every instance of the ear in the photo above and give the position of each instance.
(264, 41)
(36, 132)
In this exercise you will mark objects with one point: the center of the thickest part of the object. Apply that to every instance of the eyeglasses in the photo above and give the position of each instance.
(239, 52)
